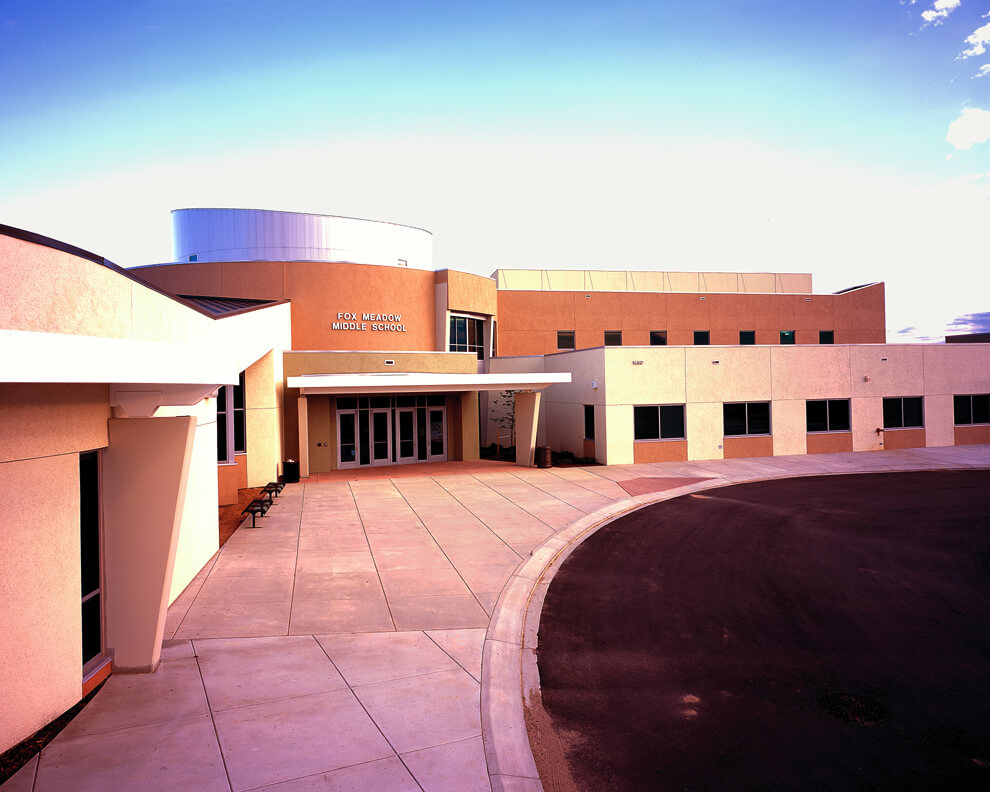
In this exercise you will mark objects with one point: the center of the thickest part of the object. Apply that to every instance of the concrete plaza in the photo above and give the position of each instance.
(368, 634)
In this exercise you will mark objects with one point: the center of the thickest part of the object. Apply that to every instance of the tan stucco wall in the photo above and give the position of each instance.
(49, 419)
(41, 671)
(263, 386)
(50, 291)
(789, 423)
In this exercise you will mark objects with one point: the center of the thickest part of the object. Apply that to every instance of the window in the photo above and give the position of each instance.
(787, 336)
(565, 339)
(701, 337)
(971, 409)
(658, 338)
(658, 422)
(613, 338)
(230, 421)
(826, 336)
(747, 337)
(903, 412)
(589, 422)
(89, 544)
(827, 415)
(467, 334)
(746, 418)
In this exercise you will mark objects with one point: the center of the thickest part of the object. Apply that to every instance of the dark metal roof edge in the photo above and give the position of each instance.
(186, 299)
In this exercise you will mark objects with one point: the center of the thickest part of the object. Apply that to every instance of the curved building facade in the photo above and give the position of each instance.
(267, 235)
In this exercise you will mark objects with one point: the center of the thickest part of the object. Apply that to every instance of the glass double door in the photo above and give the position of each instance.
(382, 430)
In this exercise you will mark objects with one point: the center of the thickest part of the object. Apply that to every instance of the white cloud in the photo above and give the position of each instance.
(983, 72)
(978, 41)
(938, 12)
(972, 127)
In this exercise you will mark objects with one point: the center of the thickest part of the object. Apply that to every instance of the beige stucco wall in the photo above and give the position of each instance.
(41, 668)
(263, 418)
(786, 376)
(199, 530)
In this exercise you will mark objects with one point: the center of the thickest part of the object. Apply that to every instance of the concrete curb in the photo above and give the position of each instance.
(509, 673)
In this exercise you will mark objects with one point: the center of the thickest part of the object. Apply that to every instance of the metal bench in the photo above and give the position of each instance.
(256, 507)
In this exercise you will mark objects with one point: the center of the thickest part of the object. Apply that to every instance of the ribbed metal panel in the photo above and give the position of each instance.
(265, 235)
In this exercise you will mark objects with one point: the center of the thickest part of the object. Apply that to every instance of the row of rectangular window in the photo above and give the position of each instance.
(666, 421)
(565, 338)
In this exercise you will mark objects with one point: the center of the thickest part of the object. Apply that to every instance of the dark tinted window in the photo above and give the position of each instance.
(613, 338)
(646, 423)
(826, 337)
(892, 418)
(701, 337)
(658, 338)
(981, 408)
(787, 336)
(589, 422)
(734, 419)
(962, 411)
(672, 421)
(758, 417)
(817, 414)
(838, 415)
(913, 412)
(565, 339)
(747, 337)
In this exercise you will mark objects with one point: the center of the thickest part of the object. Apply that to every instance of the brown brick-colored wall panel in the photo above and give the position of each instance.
(635, 337)
(806, 336)
(681, 337)
(903, 438)
(777, 311)
(195, 279)
(598, 310)
(815, 312)
(255, 280)
(732, 312)
(736, 447)
(644, 311)
(971, 435)
(862, 309)
(536, 310)
(589, 449)
(687, 312)
(767, 337)
(830, 442)
(725, 337)
(660, 451)
(470, 293)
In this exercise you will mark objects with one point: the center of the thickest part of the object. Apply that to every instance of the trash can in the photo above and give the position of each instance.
(290, 471)
(543, 457)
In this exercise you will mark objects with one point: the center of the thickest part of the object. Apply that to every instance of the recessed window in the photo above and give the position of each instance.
(826, 336)
(89, 545)
(787, 336)
(658, 422)
(747, 337)
(827, 415)
(746, 418)
(589, 422)
(565, 339)
(613, 338)
(658, 338)
(971, 409)
(904, 412)
(231, 435)
(702, 338)
(467, 334)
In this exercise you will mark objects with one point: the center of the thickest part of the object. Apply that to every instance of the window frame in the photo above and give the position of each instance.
(972, 411)
(901, 399)
(570, 348)
(232, 416)
(478, 324)
(748, 433)
(828, 416)
(659, 408)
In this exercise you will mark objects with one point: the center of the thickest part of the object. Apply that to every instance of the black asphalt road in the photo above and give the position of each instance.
(826, 633)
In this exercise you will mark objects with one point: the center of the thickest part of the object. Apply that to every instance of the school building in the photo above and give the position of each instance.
(134, 401)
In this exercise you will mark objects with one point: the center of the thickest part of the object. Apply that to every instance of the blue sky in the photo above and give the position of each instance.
(701, 135)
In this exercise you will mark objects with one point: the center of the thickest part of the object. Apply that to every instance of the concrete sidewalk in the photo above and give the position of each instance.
(339, 645)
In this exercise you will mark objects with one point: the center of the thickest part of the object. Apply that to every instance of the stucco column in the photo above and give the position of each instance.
(527, 419)
(469, 426)
(145, 475)
(302, 406)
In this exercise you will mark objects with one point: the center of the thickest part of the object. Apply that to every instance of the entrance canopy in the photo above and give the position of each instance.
(416, 382)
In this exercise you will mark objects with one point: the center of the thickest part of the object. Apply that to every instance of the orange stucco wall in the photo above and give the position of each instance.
(529, 320)
(469, 293)
(903, 438)
(971, 435)
(660, 451)
(829, 442)
(319, 291)
(735, 447)
(231, 478)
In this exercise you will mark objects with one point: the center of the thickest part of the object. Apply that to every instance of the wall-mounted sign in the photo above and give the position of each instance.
(376, 322)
